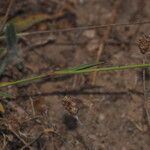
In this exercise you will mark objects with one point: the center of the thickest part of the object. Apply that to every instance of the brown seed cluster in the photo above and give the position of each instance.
(70, 105)
(144, 43)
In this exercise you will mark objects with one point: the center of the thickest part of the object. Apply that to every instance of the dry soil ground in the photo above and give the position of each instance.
(111, 114)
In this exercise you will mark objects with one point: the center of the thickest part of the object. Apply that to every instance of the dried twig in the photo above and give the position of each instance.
(4, 142)
(78, 28)
(106, 36)
(32, 106)
(18, 137)
(28, 144)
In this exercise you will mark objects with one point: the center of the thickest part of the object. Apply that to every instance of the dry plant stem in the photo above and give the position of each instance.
(4, 142)
(106, 36)
(78, 28)
(145, 95)
(100, 50)
(82, 28)
(32, 106)
(22, 140)
(140, 9)
(6, 15)
(28, 144)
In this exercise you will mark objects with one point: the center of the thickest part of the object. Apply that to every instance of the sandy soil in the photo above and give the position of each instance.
(111, 114)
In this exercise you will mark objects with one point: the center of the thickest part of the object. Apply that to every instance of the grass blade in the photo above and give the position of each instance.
(72, 71)
(6, 95)
(81, 67)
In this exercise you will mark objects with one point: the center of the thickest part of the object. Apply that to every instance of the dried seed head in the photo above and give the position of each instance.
(144, 43)
(70, 105)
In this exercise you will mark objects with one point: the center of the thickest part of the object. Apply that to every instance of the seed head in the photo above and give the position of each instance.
(144, 43)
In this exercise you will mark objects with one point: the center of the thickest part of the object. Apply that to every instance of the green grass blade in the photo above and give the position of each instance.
(6, 95)
(62, 72)
(103, 69)
(81, 67)
(23, 81)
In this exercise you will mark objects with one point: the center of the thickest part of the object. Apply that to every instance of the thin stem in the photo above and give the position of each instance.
(22, 81)
(145, 94)
(105, 69)
(71, 71)
(79, 28)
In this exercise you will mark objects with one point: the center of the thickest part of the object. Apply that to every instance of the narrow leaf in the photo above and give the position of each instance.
(62, 72)
(81, 67)
(6, 95)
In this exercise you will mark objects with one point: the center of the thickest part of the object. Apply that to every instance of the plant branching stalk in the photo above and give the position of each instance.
(72, 71)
